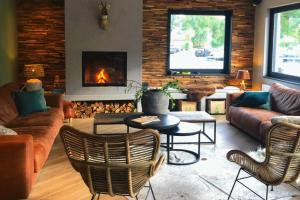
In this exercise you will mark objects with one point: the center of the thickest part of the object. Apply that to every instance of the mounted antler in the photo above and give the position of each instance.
(104, 7)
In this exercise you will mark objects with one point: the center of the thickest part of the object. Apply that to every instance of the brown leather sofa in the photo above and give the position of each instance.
(22, 156)
(254, 121)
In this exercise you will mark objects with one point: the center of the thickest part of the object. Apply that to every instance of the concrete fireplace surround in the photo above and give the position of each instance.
(83, 33)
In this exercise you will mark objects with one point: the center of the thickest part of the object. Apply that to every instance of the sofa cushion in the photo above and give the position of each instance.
(285, 100)
(53, 117)
(250, 119)
(254, 100)
(30, 102)
(43, 138)
(7, 105)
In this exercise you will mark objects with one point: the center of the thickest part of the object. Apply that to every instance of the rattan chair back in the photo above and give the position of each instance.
(116, 164)
(283, 153)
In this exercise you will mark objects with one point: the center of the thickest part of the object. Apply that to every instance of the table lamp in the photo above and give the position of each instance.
(243, 75)
(32, 72)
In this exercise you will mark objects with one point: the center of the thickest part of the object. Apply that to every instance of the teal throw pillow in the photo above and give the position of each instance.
(30, 102)
(254, 100)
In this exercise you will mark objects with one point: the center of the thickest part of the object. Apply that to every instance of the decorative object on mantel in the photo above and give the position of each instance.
(243, 75)
(155, 101)
(58, 84)
(104, 8)
(32, 72)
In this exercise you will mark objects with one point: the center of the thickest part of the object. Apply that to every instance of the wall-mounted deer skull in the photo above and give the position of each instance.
(104, 8)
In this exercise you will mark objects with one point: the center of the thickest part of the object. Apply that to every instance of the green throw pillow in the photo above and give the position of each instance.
(30, 102)
(254, 100)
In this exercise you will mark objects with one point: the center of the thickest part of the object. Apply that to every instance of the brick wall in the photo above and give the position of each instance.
(40, 34)
(155, 40)
(40, 26)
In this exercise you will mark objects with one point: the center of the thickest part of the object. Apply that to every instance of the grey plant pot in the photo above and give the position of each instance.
(155, 102)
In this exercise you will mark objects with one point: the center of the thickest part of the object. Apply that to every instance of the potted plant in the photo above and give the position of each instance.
(154, 101)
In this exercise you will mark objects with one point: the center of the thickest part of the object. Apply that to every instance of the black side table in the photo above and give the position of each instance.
(183, 129)
(166, 122)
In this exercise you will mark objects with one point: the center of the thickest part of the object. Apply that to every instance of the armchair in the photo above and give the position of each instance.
(282, 162)
(114, 164)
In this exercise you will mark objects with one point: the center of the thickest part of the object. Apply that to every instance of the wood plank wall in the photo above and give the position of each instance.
(155, 40)
(41, 38)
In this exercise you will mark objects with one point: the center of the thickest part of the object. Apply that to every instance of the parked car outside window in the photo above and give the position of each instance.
(202, 52)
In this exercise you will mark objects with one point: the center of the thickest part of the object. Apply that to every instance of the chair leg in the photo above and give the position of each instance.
(234, 183)
(148, 193)
(267, 192)
(93, 196)
(168, 148)
(98, 197)
(272, 188)
(151, 189)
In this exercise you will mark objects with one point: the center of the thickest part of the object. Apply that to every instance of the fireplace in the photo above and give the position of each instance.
(104, 68)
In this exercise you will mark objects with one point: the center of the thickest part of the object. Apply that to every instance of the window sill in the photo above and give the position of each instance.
(197, 75)
(281, 80)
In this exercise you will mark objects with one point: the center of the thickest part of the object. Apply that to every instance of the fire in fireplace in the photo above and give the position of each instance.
(104, 68)
(103, 77)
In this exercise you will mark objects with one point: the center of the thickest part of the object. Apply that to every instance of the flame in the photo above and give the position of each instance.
(102, 77)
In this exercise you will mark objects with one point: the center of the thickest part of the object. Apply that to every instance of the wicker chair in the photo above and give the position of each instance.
(114, 164)
(282, 161)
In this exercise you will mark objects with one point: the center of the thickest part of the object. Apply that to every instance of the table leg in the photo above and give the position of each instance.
(212, 140)
(168, 148)
(95, 129)
(127, 129)
(199, 142)
(215, 132)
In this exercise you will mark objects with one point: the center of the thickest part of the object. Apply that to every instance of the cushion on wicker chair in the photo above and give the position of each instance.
(287, 119)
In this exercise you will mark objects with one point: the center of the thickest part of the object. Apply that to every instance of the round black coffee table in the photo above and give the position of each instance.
(183, 129)
(166, 122)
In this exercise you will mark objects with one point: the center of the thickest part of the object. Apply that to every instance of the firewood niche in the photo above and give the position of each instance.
(88, 109)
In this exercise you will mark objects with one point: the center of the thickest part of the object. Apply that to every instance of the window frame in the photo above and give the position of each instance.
(227, 41)
(270, 72)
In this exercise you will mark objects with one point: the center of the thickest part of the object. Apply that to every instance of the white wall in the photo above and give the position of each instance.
(83, 33)
(261, 41)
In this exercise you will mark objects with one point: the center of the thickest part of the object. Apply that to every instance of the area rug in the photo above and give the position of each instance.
(213, 176)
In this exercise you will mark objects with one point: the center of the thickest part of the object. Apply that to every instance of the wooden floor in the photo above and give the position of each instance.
(57, 180)
(211, 178)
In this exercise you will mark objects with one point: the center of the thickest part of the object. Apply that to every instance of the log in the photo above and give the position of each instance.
(86, 109)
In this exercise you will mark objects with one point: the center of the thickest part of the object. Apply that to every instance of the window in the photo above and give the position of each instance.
(284, 43)
(199, 42)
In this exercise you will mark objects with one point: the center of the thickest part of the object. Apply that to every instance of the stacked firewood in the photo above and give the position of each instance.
(89, 109)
